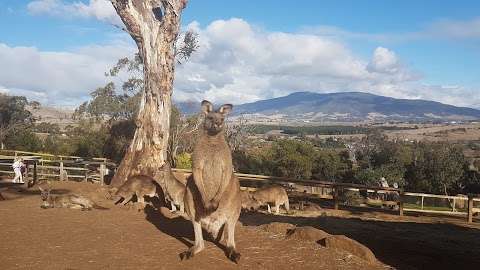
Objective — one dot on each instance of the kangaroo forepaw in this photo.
(233, 255)
(186, 255)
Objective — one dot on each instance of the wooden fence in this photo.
(333, 191)
(46, 166)
(69, 167)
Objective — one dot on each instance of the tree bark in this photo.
(154, 25)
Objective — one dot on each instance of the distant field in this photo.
(325, 130)
(310, 130)
(451, 133)
(408, 132)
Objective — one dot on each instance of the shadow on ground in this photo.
(179, 227)
(403, 245)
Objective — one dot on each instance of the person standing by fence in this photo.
(17, 168)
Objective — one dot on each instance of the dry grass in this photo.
(436, 133)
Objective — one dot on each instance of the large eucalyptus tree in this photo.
(154, 26)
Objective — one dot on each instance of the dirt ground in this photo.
(123, 238)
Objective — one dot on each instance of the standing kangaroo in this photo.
(173, 189)
(138, 185)
(269, 195)
(212, 198)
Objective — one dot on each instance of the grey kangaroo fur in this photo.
(275, 195)
(173, 189)
(73, 201)
(212, 199)
(139, 185)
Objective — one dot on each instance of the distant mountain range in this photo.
(347, 106)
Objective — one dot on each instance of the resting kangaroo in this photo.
(212, 198)
(173, 189)
(139, 185)
(270, 195)
(65, 201)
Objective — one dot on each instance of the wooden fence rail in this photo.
(61, 171)
(336, 189)
(333, 190)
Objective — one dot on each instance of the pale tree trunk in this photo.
(154, 25)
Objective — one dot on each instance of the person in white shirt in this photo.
(17, 168)
(383, 182)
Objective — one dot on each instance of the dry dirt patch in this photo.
(34, 238)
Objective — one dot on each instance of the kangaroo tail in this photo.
(96, 206)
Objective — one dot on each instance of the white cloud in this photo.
(445, 29)
(45, 6)
(61, 78)
(454, 29)
(334, 32)
(384, 61)
(236, 63)
(99, 9)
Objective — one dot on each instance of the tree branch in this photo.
(132, 24)
(123, 29)
(176, 5)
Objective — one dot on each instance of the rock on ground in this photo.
(349, 245)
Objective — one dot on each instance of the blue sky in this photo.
(408, 49)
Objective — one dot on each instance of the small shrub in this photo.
(351, 198)
(184, 161)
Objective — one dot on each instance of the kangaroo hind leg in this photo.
(199, 244)
(174, 208)
(127, 199)
(231, 251)
(140, 201)
(287, 206)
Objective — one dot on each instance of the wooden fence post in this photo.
(61, 172)
(400, 203)
(335, 197)
(86, 172)
(34, 172)
(470, 208)
(102, 173)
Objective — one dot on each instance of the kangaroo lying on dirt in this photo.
(173, 189)
(65, 201)
(139, 185)
(212, 198)
(265, 196)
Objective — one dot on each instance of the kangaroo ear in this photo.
(207, 106)
(225, 109)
